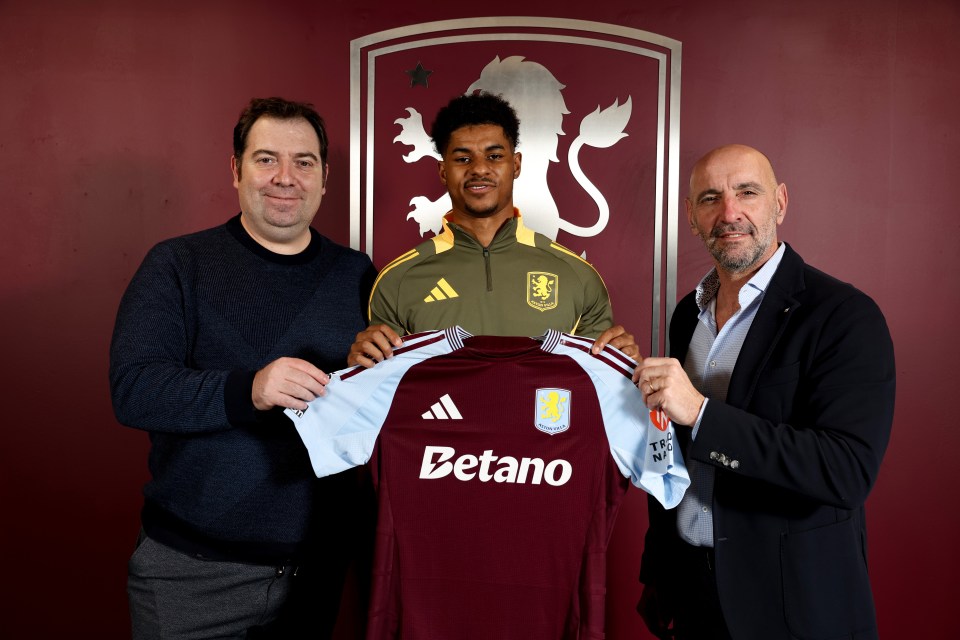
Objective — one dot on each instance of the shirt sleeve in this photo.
(384, 305)
(340, 428)
(597, 313)
(152, 385)
(642, 443)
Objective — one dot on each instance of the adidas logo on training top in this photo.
(443, 410)
(443, 291)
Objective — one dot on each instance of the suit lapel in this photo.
(779, 304)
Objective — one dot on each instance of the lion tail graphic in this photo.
(600, 129)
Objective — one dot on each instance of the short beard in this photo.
(737, 264)
(729, 262)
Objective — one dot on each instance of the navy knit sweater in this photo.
(202, 315)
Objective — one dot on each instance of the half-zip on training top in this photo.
(520, 285)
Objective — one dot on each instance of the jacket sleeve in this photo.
(819, 420)
(153, 386)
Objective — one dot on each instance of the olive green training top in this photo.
(521, 285)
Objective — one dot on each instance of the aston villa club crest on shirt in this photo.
(542, 290)
(552, 411)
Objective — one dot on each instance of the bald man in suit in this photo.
(784, 379)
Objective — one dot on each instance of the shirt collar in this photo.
(710, 284)
(513, 230)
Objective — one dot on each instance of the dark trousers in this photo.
(175, 596)
(695, 602)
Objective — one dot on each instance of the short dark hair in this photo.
(475, 108)
(281, 110)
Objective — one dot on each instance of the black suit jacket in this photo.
(796, 447)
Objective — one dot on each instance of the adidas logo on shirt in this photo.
(443, 410)
(443, 291)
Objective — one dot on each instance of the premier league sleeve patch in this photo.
(552, 411)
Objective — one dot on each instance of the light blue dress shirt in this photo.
(709, 364)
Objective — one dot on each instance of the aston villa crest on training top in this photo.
(598, 107)
(542, 290)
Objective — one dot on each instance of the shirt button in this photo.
(713, 363)
(705, 509)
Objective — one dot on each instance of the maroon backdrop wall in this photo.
(115, 127)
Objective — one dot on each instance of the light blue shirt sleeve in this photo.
(696, 425)
(340, 428)
(643, 447)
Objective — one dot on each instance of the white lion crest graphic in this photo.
(535, 95)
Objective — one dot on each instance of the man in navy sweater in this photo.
(217, 333)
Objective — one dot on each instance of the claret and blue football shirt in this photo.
(500, 464)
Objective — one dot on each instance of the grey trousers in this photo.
(174, 595)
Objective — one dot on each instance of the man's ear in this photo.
(689, 207)
(235, 170)
(782, 200)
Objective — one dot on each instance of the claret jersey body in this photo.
(500, 463)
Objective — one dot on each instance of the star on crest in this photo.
(419, 75)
